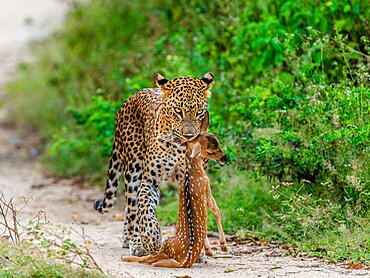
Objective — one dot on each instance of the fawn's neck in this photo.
(192, 211)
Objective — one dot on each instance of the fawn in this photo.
(183, 249)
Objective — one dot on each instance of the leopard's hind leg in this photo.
(125, 239)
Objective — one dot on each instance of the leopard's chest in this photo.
(169, 157)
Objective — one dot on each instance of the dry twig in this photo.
(54, 240)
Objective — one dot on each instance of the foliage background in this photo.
(290, 105)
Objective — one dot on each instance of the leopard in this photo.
(148, 149)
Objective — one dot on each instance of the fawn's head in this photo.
(207, 145)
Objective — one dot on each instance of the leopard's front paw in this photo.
(138, 252)
(99, 205)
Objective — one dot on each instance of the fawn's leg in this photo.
(207, 247)
(131, 258)
(146, 259)
(167, 263)
(211, 202)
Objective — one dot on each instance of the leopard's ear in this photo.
(208, 79)
(160, 80)
(163, 84)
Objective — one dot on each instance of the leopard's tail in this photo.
(113, 177)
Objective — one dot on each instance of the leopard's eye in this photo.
(178, 111)
(200, 112)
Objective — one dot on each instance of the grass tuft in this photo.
(27, 261)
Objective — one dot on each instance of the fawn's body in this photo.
(183, 249)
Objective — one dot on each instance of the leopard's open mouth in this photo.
(182, 138)
(185, 139)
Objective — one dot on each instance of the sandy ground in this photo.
(23, 21)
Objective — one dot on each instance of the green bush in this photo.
(290, 103)
(96, 123)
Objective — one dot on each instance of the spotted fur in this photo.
(146, 147)
(183, 249)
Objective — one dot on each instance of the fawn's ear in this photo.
(205, 123)
(196, 150)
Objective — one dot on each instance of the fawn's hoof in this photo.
(208, 252)
(224, 247)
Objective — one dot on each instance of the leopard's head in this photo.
(184, 103)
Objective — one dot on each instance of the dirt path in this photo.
(66, 203)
